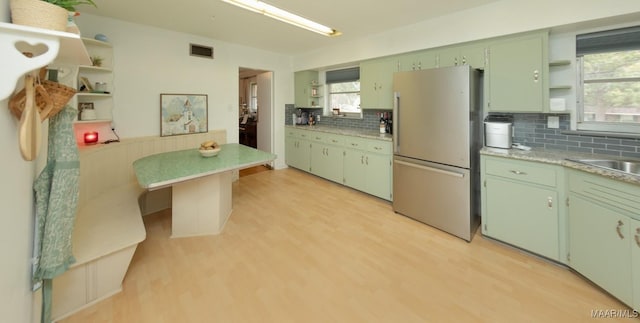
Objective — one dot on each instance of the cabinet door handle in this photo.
(517, 172)
(549, 202)
(536, 76)
(377, 148)
(619, 229)
(638, 237)
(361, 159)
(455, 61)
(354, 144)
(464, 60)
(334, 141)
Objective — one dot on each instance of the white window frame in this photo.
(253, 97)
(342, 75)
(346, 114)
(598, 126)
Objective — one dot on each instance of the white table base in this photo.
(201, 206)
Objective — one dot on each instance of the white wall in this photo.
(150, 61)
(492, 20)
(16, 217)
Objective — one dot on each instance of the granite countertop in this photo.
(560, 157)
(371, 134)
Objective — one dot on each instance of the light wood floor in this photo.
(301, 249)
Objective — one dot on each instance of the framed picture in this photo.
(85, 85)
(182, 114)
(85, 106)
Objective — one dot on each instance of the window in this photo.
(343, 87)
(253, 100)
(609, 80)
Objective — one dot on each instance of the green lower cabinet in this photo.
(523, 215)
(600, 248)
(635, 257)
(521, 205)
(327, 161)
(368, 172)
(298, 153)
(361, 163)
(604, 231)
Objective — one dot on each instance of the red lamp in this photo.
(91, 137)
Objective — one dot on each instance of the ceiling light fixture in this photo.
(284, 16)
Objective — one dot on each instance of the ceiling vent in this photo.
(201, 51)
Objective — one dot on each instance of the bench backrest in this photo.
(105, 167)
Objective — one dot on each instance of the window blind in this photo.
(351, 74)
(608, 41)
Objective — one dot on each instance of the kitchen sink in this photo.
(629, 167)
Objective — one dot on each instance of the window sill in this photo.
(354, 116)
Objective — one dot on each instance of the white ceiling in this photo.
(218, 20)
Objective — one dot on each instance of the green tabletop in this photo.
(165, 169)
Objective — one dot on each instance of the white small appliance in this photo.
(498, 131)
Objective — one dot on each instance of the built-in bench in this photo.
(109, 224)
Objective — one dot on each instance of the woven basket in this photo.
(51, 97)
(38, 13)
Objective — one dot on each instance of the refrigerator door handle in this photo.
(396, 116)
(430, 169)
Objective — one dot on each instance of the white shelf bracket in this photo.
(14, 64)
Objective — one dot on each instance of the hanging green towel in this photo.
(56, 194)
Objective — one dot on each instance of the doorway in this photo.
(255, 111)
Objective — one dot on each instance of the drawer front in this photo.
(380, 146)
(614, 193)
(298, 133)
(355, 142)
(531, 172)
(293, 133)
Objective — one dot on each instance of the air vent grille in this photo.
(201, 51)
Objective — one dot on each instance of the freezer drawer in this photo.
(435, 194)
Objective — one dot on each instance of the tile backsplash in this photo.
(369, 121)
(531, 129)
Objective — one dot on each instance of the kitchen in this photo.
(140, 79)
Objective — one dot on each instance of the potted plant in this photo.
(48, 14)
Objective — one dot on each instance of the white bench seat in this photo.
(109, 224)
(107, 231)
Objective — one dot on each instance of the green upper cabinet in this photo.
(517, 74)
(304, 83)
(472, 55)
(376, 83)
(417, 61)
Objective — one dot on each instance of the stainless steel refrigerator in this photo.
(436, 139)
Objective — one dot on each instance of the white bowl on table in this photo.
(209, 152)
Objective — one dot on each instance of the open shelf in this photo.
(46, 45)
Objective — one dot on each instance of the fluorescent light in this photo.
(284, 16)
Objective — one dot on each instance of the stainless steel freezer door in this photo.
(434, 194)
(432, 114)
